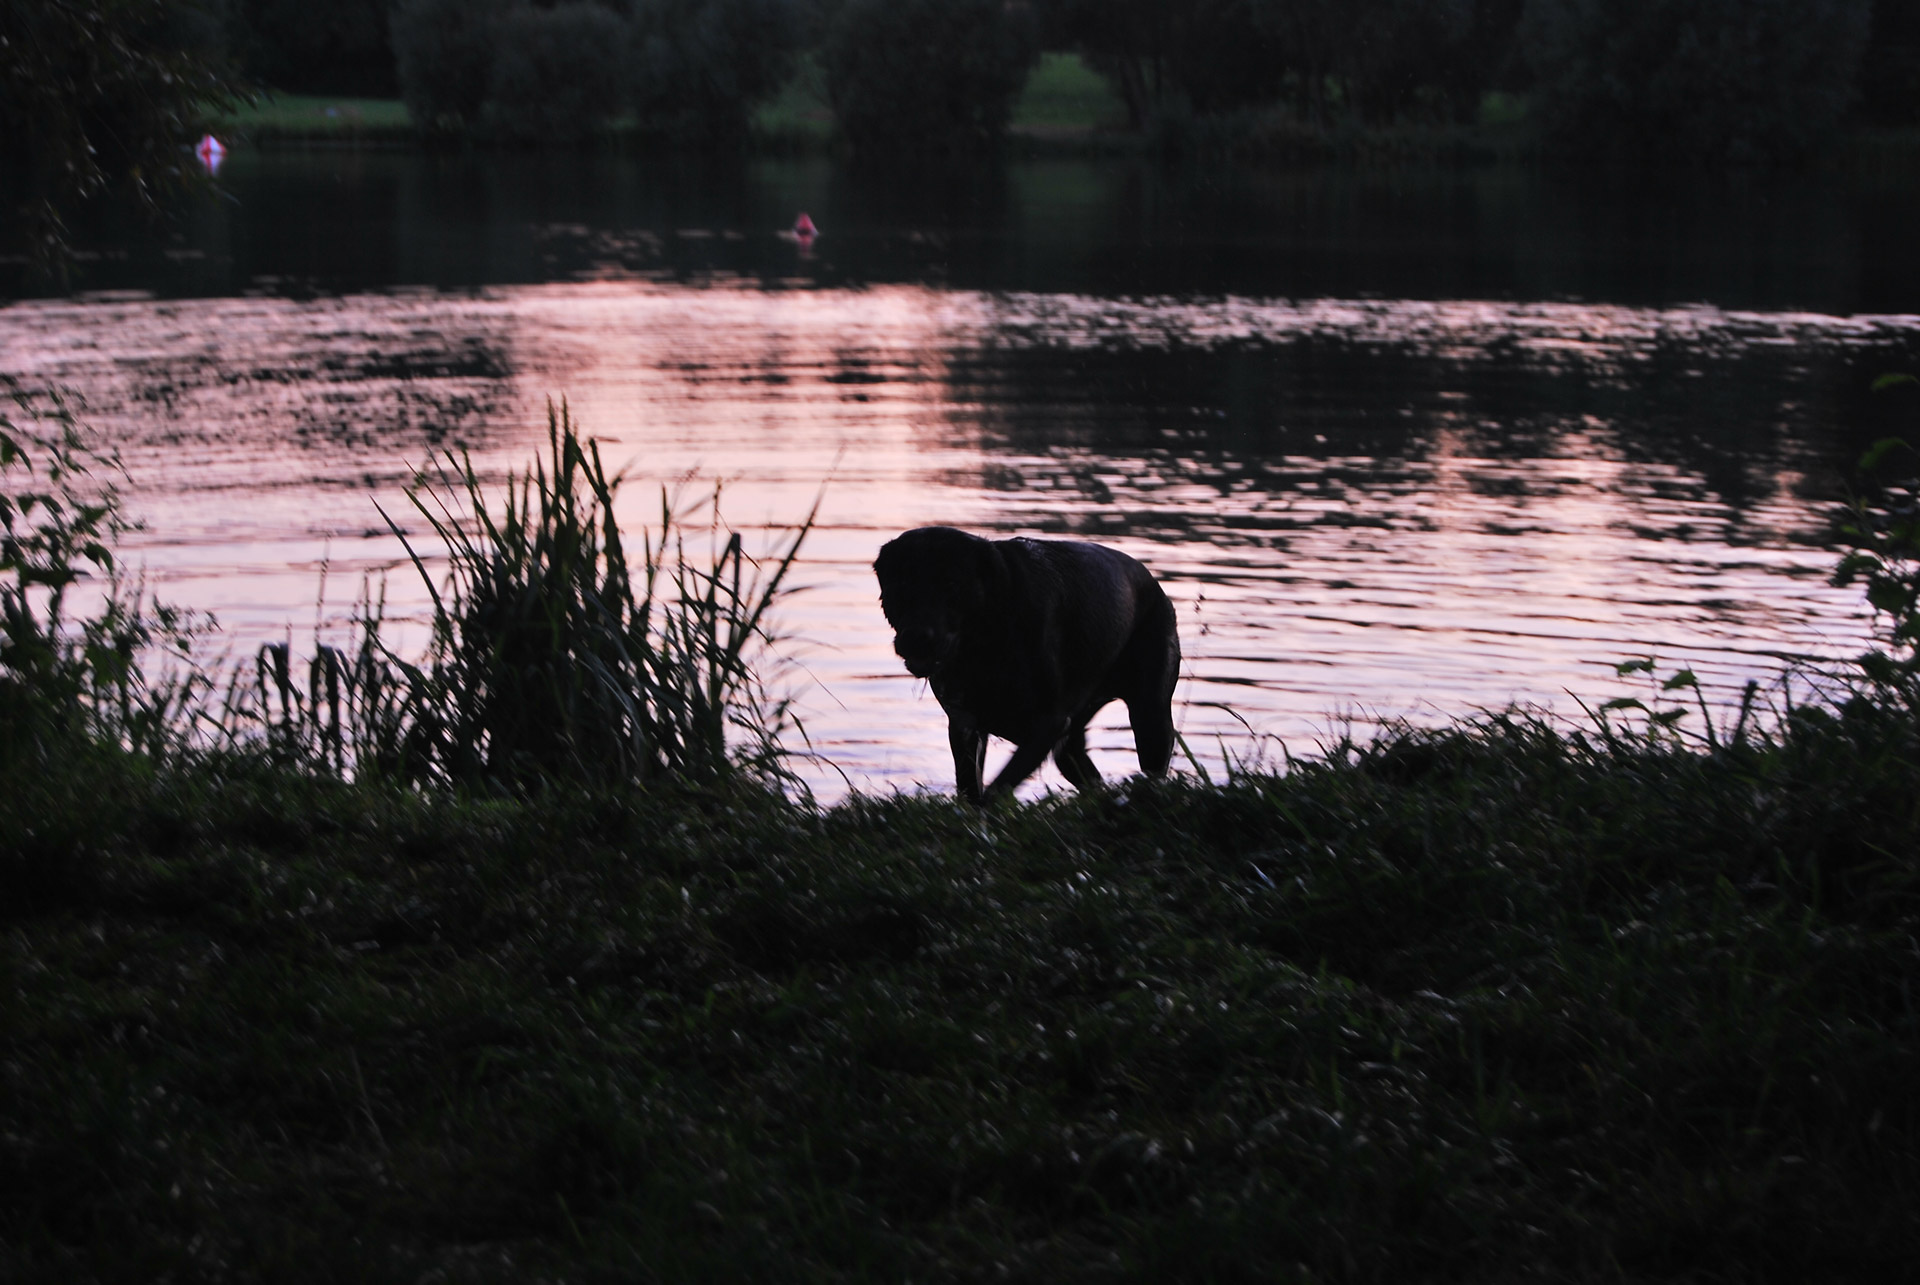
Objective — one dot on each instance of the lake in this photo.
(1401, 443)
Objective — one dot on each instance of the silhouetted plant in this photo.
(550, 662)
(1723, 80)
(907, 76)
(1882, 530)
(94, 676)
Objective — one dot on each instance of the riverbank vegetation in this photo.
(1632, 1000)
(107, 96)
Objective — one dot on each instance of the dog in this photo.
(1027, 640)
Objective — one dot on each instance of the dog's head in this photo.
(934, 583)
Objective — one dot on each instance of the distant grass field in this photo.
(799, 114)
(284, 114)
(1063, 93)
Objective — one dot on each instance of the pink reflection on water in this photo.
(259, 433)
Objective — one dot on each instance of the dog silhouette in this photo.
(1027, 640)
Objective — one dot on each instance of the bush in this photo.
(1742, 81)
(443, 51)
(926, 75)
(556, 72)
(303, 47)
(700, 67)
(68, 678)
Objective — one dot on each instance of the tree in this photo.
(1739, 81)
(1372, 60)
(556, 72)
(926, 75)
(309, 47)
(700, 67)
(100, 98)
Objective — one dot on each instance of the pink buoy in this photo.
(210, 153)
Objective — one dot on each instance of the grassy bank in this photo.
(512, 962)
(1484, 1004)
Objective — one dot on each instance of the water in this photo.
(1398, 445)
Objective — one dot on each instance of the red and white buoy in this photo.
(210, 152)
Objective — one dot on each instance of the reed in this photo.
(552, 659)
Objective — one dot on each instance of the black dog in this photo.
(1027, 640)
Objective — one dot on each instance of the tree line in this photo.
(1736, 79)
(98, 92)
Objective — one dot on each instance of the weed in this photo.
(550, 662)
(96, 677)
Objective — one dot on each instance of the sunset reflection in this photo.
(1368, 508)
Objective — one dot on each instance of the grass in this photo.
(1495, 1002)
(1483, 1004)
(1063, 93)
(299, 116)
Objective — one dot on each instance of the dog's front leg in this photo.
(969, 745)
(1025, 759)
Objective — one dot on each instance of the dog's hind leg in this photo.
(1154, 665)
(1152, 721)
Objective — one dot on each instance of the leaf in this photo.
(1852, 567)
(1684, 678)
(1893, 379)
(1621, 702)
(1880, 450)
(1667, 718)
(1887, 595)
(1626, 667)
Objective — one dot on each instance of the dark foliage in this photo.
(1373, 60)
(556, 72)
(316, 46)
(1890, 69)
(98, 97)
(919, 76)
(1736, 81)
(1881, 529)
(700, 67)
(443, 52)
